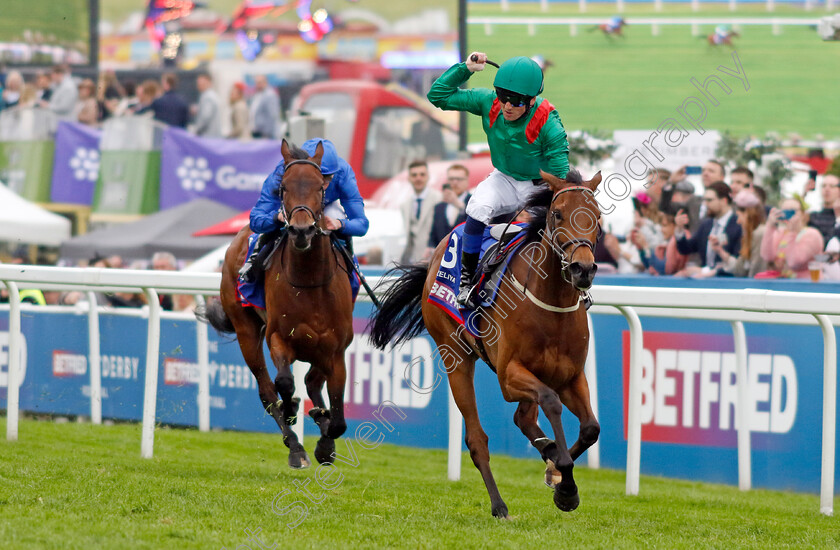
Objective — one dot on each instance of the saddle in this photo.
(498, 252)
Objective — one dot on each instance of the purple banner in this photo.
(228, 171)
(76, 163)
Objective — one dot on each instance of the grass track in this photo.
(78, 486)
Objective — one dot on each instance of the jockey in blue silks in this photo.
(344, 209)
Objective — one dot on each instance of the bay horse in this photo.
(308, 310)
(715, 39)
(536, 338)
(613, 28)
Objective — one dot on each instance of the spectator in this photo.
(62, 101)
(149, 91)
(265, 109)
(13, 90)
(164, 261)
(741, 178)
(655, 187)
(42, 84)
(683, 198)
(86, 110)
(824, 220)
(788, 244)
(128, 101)
(720, 227)
(240, 124)
(750, 215)
(607, 250)
(29, 96)
(451, 211)
(418, 211)
(170, 108)
(109, 93)
(208, 119)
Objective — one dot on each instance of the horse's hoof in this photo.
(500, 511)
(324, 450)
(299, 460)
(553, 477)
(566, 501)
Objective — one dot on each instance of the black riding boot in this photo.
(469, 263)
(246, 272)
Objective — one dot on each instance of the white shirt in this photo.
(718, 228)
(452, 211)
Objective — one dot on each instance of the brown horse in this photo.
(715, 40)
(308, 315)
(610, 29)
(535, 334)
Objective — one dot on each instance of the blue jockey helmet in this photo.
(329, 162)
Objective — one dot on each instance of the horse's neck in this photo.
(312, 266)
(545, 278)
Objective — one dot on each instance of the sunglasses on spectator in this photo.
(516, 100)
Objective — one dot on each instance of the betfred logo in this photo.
(66, 363)
(689, 392)
(177, 372)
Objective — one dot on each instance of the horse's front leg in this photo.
(576, 397)
(336, 378)
(525, 418)
(325, 448)
(286, 416)
(520, 384)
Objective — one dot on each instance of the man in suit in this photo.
(62, 100)
(265, 109)
(451, 211)
(170, 108)
(719, 226)
(208, 117)
(418, 211)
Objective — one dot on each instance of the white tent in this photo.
(24, 222)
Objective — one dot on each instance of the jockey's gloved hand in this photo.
(478, 64)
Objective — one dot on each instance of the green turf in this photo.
(78, 486)
(62, 22)
(636, 83)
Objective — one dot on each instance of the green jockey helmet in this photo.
(521, 75)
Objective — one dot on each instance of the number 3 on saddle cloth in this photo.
(253, 294)
(492, 267)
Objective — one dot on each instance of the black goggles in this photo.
(516, 100)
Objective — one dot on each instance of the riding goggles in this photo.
(516, 100)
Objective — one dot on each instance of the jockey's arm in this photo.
(356, 224)
(264, 213)
(446, 94)
(555, 146)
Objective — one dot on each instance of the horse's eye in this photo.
(558, 216)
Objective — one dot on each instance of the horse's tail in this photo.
(214, 314)
(400, 318)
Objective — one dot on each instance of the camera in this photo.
(446, 187)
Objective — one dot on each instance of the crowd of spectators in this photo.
(729, 231)
(253, 113)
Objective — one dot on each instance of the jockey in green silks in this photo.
(524, 133)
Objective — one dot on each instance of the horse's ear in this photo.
(595, 181)
(319, 153)
(286, 152)
(554, 182)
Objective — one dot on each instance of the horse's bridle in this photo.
(560, 248)
(282, 191)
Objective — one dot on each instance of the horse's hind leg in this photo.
(576, 397)
(285, 410)
(463, 390)
(520, 384)
(320, 414)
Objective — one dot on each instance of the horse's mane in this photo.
(537, 207)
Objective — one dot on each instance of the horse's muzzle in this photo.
(582, 274)
(301, 236)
